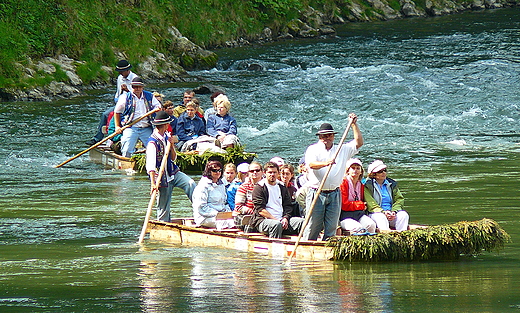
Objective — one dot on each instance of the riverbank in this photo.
(61, 67)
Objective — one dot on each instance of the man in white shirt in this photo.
(130, 107)
(124, 85)
(272, 213)
(318, 157)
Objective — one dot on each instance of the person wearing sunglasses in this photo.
(244, 196)
(384, 199)
(209, 197)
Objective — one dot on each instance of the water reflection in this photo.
(220, 280)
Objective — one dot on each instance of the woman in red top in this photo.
(353, 215)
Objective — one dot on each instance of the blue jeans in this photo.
(163, 203)
(102, 122)
(325, 215)
(180, 180)
(130, 137)
(184, 182)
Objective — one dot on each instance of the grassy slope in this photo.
(94, 31)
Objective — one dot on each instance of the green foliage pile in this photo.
(195, 163)
(443, 242)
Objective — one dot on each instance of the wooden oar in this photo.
(109, 137)
(154, 192)
(313, 204)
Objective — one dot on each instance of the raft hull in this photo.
(109, 159)
(179, 233)
(419, 243)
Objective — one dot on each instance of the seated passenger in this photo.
(287, 177)
(384, 200)
(209, 197)
(159, 96)
(213, 109)
(189, 126)
(272, 202)
(230, 172)
(244, 196)
(168, 108)
(242, 170)
(222, 126)
(353, 208)
(189, 95)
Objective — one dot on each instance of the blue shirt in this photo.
(386, 201)
(226, 124)
(189, 128)
(231, 193)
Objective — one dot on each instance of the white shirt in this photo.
(140, 108)
(318, 153)
(122, 80)
(151, 153)
(274, 203)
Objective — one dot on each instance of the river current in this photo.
(437, 100)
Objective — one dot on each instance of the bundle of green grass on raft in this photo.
(194, 161)
(442, 242)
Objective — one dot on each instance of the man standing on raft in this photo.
(319, 156)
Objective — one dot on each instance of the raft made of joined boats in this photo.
(420, 243)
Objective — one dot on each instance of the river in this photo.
(437, 100)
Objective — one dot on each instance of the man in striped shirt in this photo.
(244, 197)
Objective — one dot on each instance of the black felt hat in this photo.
(123, 65)
(325, 129)
(137, 81)
(161, 118)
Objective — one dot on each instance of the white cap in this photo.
(278, 160)
(376, 166)
(243, 167)
(354, 161)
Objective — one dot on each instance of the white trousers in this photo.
(400, 222)
(364, 222)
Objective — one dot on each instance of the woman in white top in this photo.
(209, 197)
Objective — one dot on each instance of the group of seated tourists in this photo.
(265, 198)
(191, 128)
(215, 131)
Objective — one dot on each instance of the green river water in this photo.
(437, 100)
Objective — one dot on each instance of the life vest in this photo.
(171, 168)
(347, 205)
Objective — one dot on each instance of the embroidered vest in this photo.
(128, 113)
(171, 168)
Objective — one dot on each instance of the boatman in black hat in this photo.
(124, 85)
(124, 80)
(172, 177)
(318, 157)
(132, 106)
